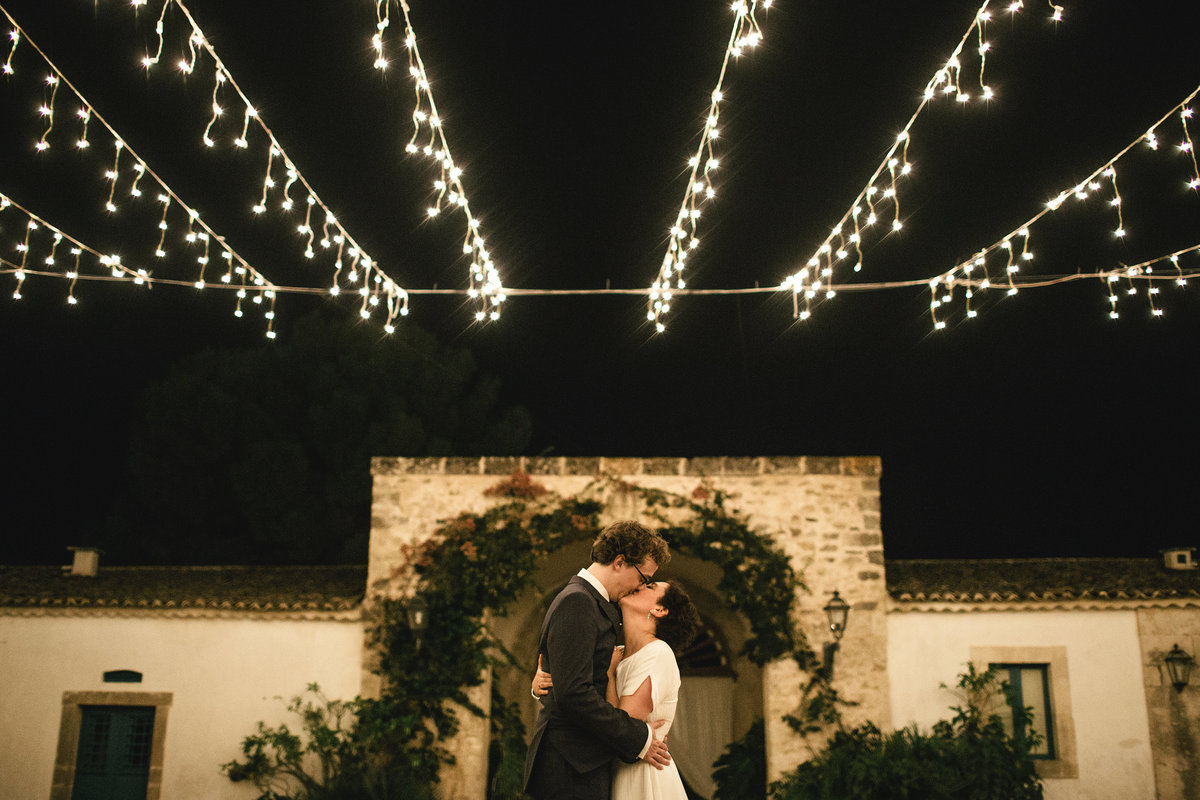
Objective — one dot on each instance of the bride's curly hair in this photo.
(682, 621)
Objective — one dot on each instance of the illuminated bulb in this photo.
(1120, 232)
(897, 225)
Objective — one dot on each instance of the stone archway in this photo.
(822, 512)
(730, 693)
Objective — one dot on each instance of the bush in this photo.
(741, 771)
(336, 756)
(969, 757)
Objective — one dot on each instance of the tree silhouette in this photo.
(262, 455)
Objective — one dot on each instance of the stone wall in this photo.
(1174, 716)
(822, 511)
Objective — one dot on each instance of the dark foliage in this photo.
(741, 771)
(336, 756)
(969, 757)
(263, 455)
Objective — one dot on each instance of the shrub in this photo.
(968, 757)
(336, 756)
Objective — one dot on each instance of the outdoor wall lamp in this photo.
(1179, 667)
(417, 611)
(837, 611)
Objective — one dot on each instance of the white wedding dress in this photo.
(641, 781)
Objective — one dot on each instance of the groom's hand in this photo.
(657, 756)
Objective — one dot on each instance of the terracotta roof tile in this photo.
(1037, 580)
(338, 588)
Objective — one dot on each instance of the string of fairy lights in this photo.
(429, 140)
(43, 249)
(815, 279)
(362, 275)
(1014, 247)
(239, 274)
(45, 238)
(682, 238)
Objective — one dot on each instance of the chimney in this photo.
(1179, 558)
(86, 562)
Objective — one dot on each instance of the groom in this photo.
(578, 734)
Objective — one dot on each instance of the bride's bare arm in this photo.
(640, 703)
(610, 693)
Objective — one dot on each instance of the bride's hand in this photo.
(618, 654)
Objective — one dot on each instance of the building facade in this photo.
(186, 661)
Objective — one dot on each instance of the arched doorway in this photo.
(721, 695)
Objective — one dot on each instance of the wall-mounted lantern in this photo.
(417, 611)
(1179, 667)
(837, 611)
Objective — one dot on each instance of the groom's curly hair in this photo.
(679, 627)
(633, 540)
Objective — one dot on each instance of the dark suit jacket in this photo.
(576, 645)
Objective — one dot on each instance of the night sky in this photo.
(1041, 427)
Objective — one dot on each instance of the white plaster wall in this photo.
(224, 674)
(1104, 665)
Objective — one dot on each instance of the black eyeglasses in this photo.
(645, 581)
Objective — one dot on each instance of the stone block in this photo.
(783, 465)
(823, 465)
(875, 557)
(501, 466)
(544, 466)
(743, 466)
(662, 466)
(707, 466)
(866, 575)
(464, 466)
(621, 466)
(862, 465)
(869, 502)
(581, 466)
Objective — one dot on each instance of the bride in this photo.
(658, 620)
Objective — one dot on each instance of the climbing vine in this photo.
(478, 563)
